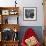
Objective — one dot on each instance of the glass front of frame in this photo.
(30, 13)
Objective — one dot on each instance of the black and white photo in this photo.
(29, 13)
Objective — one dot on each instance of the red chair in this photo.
(29, 33)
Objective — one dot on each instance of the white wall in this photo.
(32, 3)
(26, 3)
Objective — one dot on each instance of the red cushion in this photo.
(29, 33)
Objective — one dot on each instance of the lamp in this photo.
(15, 3)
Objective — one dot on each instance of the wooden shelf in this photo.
(10, 9)
(9, 43)
(11, 26)
(4, 12)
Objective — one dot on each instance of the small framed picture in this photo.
(5, 12)
(30, 13)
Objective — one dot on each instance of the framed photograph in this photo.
(12, 12)
(30, 13)
(5, 12)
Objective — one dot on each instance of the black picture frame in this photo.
(30, 13)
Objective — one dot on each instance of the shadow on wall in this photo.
(37, 29)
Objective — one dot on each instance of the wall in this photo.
(27, 3)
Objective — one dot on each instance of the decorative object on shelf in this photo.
(15, 3)
(6, 21)
(13, 12)
(15, 34)
(5, 12)
(30, 13)
(7, 34)
(15, 30)
(15, 37)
